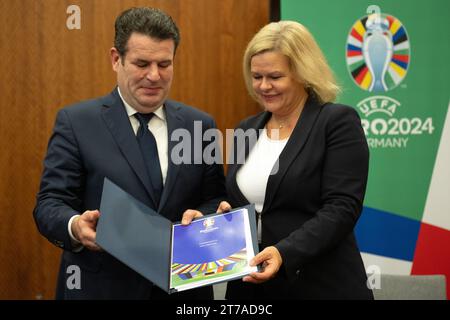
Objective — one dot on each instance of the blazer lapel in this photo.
(116, 118)
(293, 147)
(233, 169)
(174, 121)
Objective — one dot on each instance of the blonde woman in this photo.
(306, 173)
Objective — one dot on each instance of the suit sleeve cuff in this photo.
(290, 270)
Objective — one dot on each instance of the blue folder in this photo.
(140, 237)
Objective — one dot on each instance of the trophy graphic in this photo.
(377, 50)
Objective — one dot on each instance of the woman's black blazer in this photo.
(311, 206)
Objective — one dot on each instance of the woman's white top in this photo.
(261, 162)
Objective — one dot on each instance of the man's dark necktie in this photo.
(149, 150)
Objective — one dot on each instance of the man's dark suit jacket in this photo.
(93, 140)
(311, 207)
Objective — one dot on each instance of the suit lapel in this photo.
(293, 147)
(116, 118)
(258, 124)
(174, 121)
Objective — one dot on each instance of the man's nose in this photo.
(153, 73)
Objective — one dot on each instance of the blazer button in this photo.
(58, 243)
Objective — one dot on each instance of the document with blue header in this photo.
(212, 249)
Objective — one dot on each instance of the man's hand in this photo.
(223, 207)
(84, 229)
(190, 215)
(271, 261)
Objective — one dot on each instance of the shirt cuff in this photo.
(77, 246)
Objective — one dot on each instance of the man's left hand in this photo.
(190, 215)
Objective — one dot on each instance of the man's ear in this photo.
(115, 58)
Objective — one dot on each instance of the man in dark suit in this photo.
(104, 137)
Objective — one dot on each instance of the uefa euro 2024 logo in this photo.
(208, 223)
(378, 52)
(378, 57)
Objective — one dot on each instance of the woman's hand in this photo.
(223, 207)
(271, 262)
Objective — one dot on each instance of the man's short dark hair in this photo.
(151, 22)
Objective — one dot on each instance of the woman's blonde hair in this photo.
(307, 61)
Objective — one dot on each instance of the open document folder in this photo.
(212, 249)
